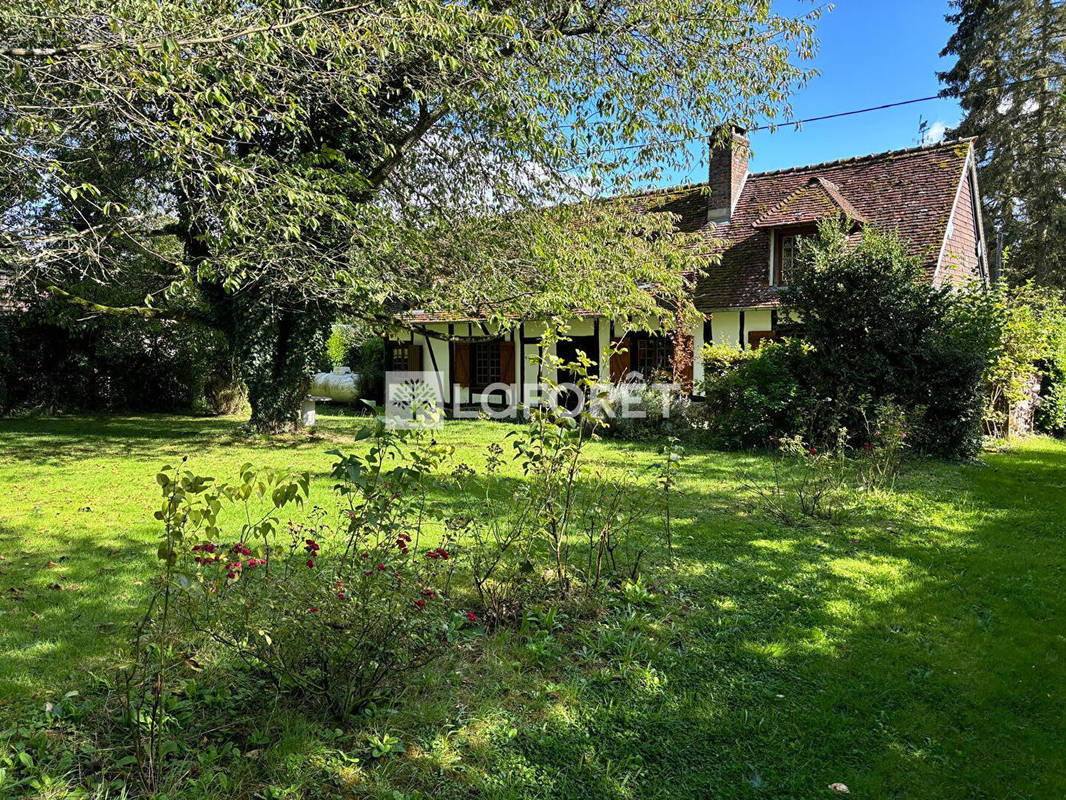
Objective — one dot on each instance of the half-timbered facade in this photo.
(928, 195)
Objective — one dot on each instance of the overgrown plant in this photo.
(189, 513)
(808, 481)
(879, 458)
(333, 609)
(565, 530)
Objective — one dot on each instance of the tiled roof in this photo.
(816, 200)
(910, 191)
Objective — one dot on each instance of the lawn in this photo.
(913, 648)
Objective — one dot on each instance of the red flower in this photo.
(342, 596)
(340, 583)
(381, 566)
(312, 610)
(231, 575)
(813, 452)
(368, 572)
(420, 603)
(351, 515)
(365, 555)
(310, 564)
(311, 546)
(470, 615)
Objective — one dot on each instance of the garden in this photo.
(834, 569)
(822, 575)
(903, 647)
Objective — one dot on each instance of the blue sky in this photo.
(871, 52)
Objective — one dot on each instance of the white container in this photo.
(341, 385)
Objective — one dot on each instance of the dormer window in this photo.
(798, 215)
(785, 252)
(788, 257)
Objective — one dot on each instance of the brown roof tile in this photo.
(816, 200)
(908, 191)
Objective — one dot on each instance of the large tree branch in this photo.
(426, 120)
(133, 312)
(152, 46)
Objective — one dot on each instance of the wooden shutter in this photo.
(507, 362)
(757, 338)
(414, 357)
(620, 360)
(461, 363)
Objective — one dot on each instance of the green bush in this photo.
(878, 329)
(754, 396)
(342, 347)
(370, 364)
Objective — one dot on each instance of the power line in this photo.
(798, 122)
(770, 126)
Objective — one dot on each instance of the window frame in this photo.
(490, 353)
(779, 278)
(663, 355)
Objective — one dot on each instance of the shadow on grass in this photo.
(914, 649)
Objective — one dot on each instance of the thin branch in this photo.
(93, 47)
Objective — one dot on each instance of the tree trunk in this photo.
(279, 346)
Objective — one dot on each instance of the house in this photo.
(928, 194)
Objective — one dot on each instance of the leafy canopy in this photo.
(367, 155)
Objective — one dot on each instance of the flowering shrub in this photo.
(879, 457)
(564, 530)
(806, 479)
(334, 608)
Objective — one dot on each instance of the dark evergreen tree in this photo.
(1009, 76)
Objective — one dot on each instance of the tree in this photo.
(880, 331)
(269, 164)
(1009, 77)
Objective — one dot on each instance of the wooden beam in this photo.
(451, 364)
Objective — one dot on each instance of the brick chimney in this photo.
(727, 172)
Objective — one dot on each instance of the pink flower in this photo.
(420, 603)
(368, 572)
(342, 596)
(312, 610)
(340, 583)
(381, 566)
(470, 615)
(231, 575)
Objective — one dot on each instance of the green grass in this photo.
(915, 648)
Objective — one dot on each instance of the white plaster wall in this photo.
(756, 319)
(697, 355)
(725, 328)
